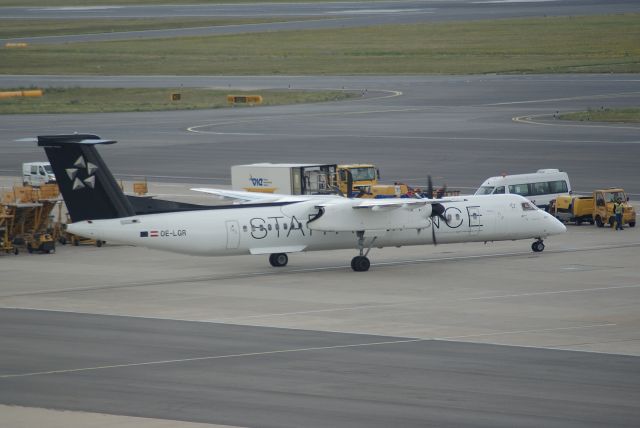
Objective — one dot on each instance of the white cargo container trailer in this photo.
(284, 178)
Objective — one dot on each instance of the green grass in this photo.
(534, 45)
(98, 100)
(15, 28)
(623, 115)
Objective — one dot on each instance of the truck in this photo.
(308, 179)
(37, 173)
(597, 208)
(284, 178)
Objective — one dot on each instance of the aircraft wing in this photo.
(241, 195)
(257, 197)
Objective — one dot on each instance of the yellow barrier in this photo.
(27, 93)
(244, 99)
(15, 45)
(176, 96)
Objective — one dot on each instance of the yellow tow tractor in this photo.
(365, 184)
(41, 242)
(604, 207)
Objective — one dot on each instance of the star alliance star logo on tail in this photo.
(82, 165)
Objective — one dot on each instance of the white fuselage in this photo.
(284, 228)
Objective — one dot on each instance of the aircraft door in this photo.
(233, 234)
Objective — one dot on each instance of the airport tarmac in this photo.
(451, 335)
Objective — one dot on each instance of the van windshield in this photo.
(48, 169)
(485, 190)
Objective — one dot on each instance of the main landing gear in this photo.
(278, 259)
(361, 263)
(538, 246)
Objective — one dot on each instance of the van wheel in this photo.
(612, 221)
(599, 221)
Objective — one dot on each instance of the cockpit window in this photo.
(485, 190)
(499, 190)
(528, 206)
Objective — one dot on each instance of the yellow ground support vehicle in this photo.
(572, 208)
(365, 182)
(604, 205)
(40, 242)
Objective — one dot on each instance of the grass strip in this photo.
(100, 100)
(593, 44)
(15, 28)
(621, 115)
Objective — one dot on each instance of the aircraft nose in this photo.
(556, 226)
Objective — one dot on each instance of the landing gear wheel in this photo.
(278, 259)
(360, 264)
(537, 247)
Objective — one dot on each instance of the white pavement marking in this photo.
(286, 351)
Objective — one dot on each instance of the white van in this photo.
(37, 173)
(540, 187)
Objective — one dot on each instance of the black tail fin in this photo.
(87, 186)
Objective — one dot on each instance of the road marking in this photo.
(544, 293)
(286, 271)
(287, 351)
(212, 357)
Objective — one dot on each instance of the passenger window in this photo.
(559, 186)
(519, 189)
(499, 190)
(269, 227)
(539, 188)
(34, 170)
(285, 226)
(244, 228)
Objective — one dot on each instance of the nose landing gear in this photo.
(538, 246)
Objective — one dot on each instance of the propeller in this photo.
(437, 210)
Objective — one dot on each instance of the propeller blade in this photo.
(349, 184)
(433, 233)
(429, 187)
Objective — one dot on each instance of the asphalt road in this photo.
(331, 15)
(459, 129)
(249, 376)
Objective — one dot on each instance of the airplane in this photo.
(278, 225)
